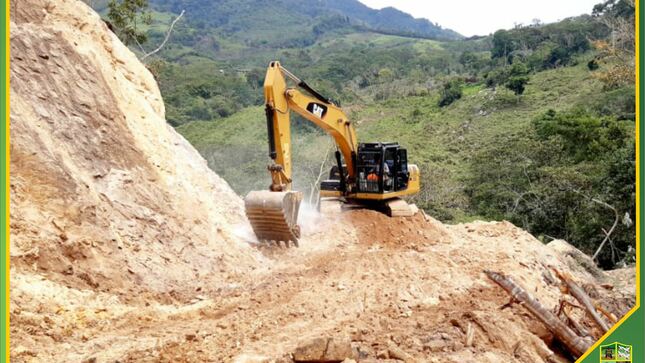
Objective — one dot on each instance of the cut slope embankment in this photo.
(99, 180)
(105, 196)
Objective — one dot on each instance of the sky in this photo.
(482, 17)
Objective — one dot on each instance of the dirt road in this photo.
(420, 294)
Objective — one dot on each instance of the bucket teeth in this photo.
(274, 216)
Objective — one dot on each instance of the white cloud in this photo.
(479, 17)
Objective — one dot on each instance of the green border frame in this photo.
(630, 330)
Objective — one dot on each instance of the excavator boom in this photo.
(273, 214)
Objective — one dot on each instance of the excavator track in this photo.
(274, 216)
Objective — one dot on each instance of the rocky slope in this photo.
(104, 194)
(126, 247)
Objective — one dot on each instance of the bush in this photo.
(620, 102)
(517, 84)
(124, 16)
(517, 78)
(593, 65)
(199, 111)
(497, 76)
(585, 136)
(452, 91)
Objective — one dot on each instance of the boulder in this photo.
(324, 350)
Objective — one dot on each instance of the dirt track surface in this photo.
(420, 295)
(126, 247)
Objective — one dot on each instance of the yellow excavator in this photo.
(375, 174)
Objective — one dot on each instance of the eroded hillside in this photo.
(103, 193)
(126, 247)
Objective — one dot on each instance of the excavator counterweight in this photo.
(375, 174)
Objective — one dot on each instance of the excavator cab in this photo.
(380, 168)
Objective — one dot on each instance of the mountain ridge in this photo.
(390, 19)
(236, 17)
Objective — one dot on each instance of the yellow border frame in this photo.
(583, 357)
(7, 190)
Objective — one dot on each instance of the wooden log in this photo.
(576, 326)
(584, 299)
(575, 344)
(609, 315)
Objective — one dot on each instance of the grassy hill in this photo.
(354, 67)
(442, 141)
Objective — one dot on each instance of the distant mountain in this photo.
(391, 20)
(280, 21)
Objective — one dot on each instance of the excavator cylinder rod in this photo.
(274, 215)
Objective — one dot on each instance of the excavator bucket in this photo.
(274, 215)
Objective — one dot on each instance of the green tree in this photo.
(468, 59)
(517, 84)
(518, 78)
(557, 178)
(616, 53)
(584, 136)
(126, 16)
(503, 44)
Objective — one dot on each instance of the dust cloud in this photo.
(309, 218)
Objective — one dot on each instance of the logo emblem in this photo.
(616, 353)
(317, 109)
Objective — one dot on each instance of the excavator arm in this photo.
(279, 100)
(273, 214)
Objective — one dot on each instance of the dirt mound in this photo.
(105, 196)
(425, 299)
(126, 247)
(377, 228)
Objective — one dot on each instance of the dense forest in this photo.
(534, 124)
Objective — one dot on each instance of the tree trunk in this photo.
(575, 344)
(584, 299)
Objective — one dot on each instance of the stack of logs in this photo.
(577, 336)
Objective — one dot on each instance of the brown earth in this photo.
(126, 247)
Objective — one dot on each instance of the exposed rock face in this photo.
(102, 189)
